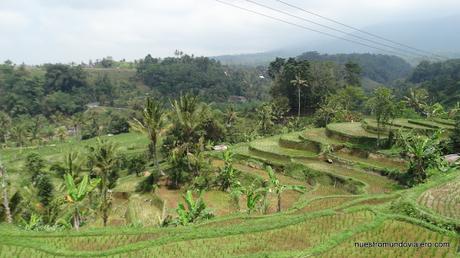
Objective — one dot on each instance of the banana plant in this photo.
(195, 210)
(228, 174)
(278, 188)
(76, 194)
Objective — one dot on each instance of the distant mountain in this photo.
(438, 35)
(252, 59)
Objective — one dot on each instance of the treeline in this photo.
(53, 89)
(380, 68)
(204, 76)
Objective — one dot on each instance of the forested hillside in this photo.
(201, 75)
(380, 68)
(441, 79)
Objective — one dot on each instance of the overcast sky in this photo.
(39, 31)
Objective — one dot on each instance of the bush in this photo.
(34, 164)
(118, 125)
(149, 184)
(136, 164)
(45, 189)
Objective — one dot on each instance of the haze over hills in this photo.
(438, 35)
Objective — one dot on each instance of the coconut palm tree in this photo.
(103, 157)
(73, 164)
(61, 133)
(77, 194)
(186, 114)
(278, 188)
(153, 125)
(299, 83)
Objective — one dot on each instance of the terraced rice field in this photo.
(393, 231)
(325, 203)
(352, 130)
(326, 221)
(270, 147)
(404, 123)
(375, 183)
(444, 199)
(319, 135)
(432, 124)
(377, 163)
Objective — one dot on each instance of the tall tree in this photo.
(152, 125)
(34, 165)
(299, 83)
(383, 106)
(103, 157)
(353, 74)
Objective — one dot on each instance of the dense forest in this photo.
(380, 68)
(441, 79)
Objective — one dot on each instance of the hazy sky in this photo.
(38, 31)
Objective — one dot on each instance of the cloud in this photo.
(37, 31)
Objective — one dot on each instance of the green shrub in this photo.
(149, 184)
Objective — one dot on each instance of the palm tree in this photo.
(187, 116)
(416, 99)
(299, 83)
(76, 195)
(61, 133)
(152, 125)
(6, 202)
(230, 116)
(73, 163)
(20, 134)
(265, 116)
(77, 121)
(104, 160)
(278, 188)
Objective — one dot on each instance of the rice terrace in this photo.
(229, 128)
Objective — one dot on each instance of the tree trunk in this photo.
(6, 200)
(299, 104)
(155, 158)
(279, 202)
(76, 220)
(105, 199)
